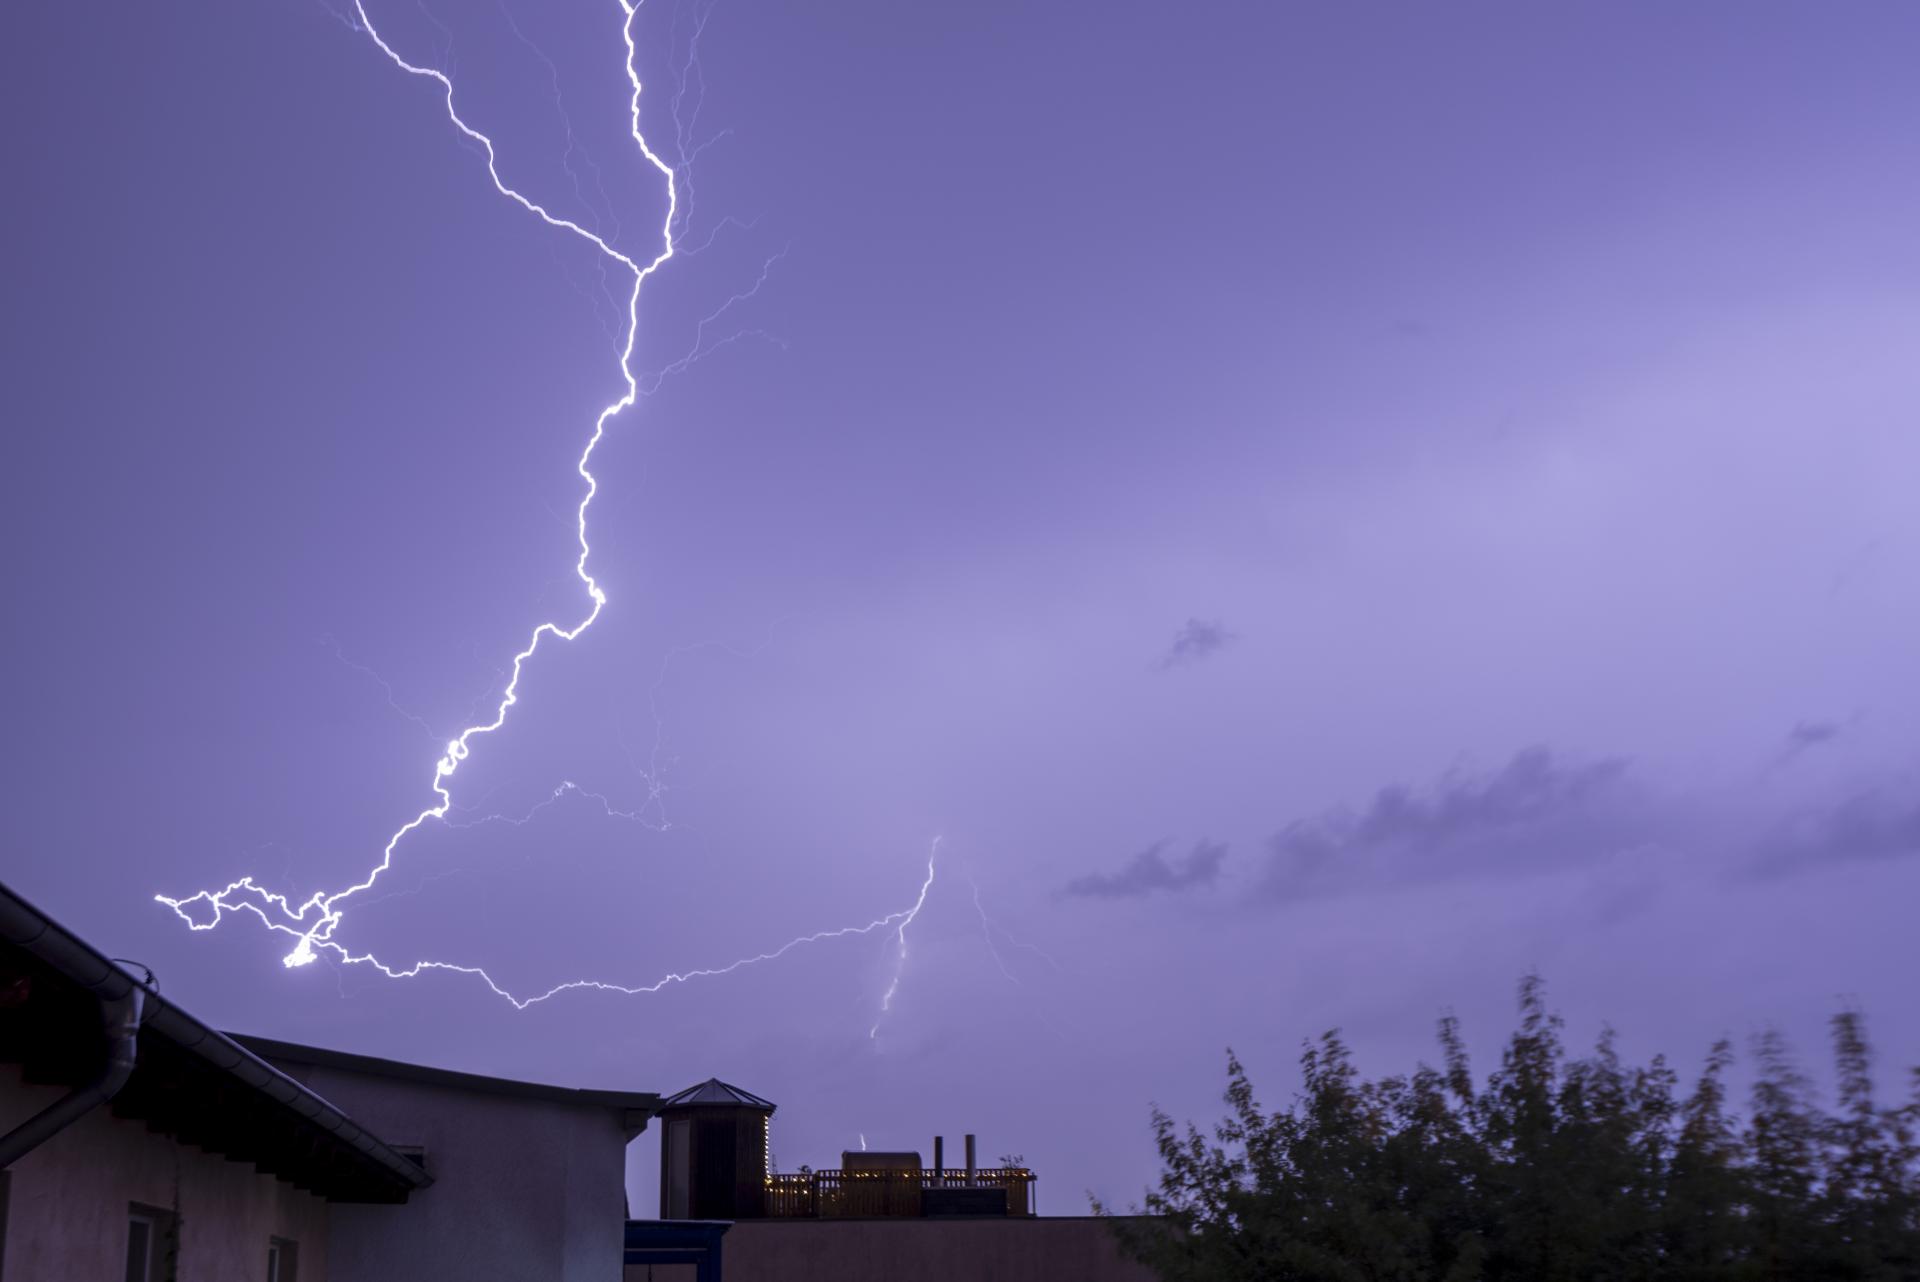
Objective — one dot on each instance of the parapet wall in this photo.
(1057, 1249)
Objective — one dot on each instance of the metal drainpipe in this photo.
(121, 1018)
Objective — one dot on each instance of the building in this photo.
(529, 1180)
(137, 1142)
(877, 1217)
(141, 1143)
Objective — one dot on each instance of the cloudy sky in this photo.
(1317, 509)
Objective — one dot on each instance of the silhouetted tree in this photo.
(1556, 1170)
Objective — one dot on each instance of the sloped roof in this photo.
(190, 1082)
(715, 1091)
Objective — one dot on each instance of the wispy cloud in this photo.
(1879, 823)
(1810, 734)
(1151, 871)
(1805, 734)
(1194, 642)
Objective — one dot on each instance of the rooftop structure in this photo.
(713, 1091)
(714, 1165)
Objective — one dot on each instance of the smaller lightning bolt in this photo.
(702, 346)
(986, 931)
(604, 293)
(566, 124)
(566, 788)
(689, 96)
(386, 688)
(900, 933)
(738, 224)
(989, 930)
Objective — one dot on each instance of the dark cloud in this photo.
(1535, 811)
(1198, 639)
(1804, 737)
(1151, 871)
(1805, 734)
(1876, 824)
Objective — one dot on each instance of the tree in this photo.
(1556, 1170)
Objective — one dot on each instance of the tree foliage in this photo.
(1554, 1169)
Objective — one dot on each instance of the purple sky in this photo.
(1322, 508)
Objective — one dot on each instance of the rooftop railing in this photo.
(903, 1193)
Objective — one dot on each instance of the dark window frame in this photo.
(283, 1260)
(163, 1242)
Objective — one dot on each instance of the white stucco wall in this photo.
(69, 1198)
(523, 1189)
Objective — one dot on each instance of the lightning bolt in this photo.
(325, 908)
(900, 933)
(988, 930)
(313, 923)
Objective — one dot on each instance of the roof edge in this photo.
(27, 927)
(324, 1057)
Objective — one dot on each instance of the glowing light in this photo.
(314, 922)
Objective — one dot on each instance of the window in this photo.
(282, 1256)
(153, 1244)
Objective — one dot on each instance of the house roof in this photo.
(189, 1081)
(713, 1091)
(643, 1103)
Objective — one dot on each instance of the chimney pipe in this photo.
(939, 1158)
(969, 1159)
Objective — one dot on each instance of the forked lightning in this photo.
(313, 923)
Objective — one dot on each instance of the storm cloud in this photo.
(1150, 871)
(1536, 810)
(1874, 824)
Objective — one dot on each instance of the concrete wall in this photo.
(523, 1189)
(1064, 1249)
(67, 1207)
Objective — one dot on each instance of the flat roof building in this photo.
(877, 1217)
(529, 1180)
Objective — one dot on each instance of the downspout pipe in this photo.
(120, 1019)
(26, 927)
